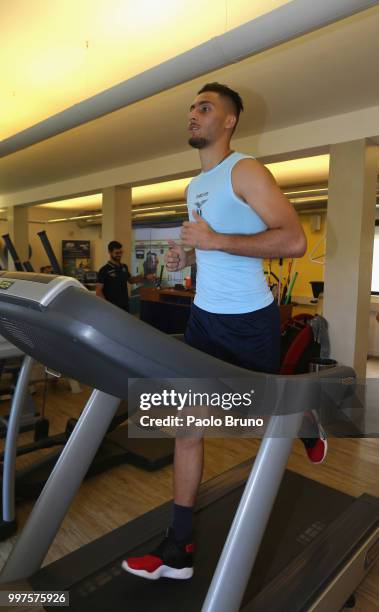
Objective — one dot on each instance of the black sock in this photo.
(309, 442)
(182, 523)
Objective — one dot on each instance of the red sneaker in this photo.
(317, 447)
(168, 560)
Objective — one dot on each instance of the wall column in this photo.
(349, 250)
(117, 220)
(19, 232)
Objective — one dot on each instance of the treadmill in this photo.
(317, 543)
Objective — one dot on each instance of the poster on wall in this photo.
(150, 246)
(76, 257)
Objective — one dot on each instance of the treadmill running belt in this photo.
(302, 511)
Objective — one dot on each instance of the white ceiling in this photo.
(57, 53)
(328, 72)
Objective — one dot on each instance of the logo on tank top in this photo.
(201, 199)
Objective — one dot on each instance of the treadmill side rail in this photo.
(326, 574)
(250, 521)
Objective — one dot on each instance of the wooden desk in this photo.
(167, 296)
(169, 309)
(166, 309)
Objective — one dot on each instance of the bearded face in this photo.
(198, 142)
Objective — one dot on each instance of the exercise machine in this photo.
(26, 265)
(11, 359)
(28, 482)
(49, 252)
(312, 558)
(10, 363)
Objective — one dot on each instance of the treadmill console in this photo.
(35, 287)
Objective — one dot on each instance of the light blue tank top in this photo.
(225, 283)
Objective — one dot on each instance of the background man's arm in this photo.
(135, 279)
(139, 278)
(99, 290)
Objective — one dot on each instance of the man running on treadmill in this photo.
(237, 217)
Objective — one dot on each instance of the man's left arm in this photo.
(135, 279)
(139, 278)
(255, 185)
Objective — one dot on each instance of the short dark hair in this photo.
(225, 92)
(113, 245)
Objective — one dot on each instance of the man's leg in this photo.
(173, 557)
(188, 470)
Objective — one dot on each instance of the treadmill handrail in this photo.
(104, 347)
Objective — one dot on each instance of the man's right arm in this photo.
(177, 258)
(191, 257)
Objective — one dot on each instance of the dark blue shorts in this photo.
(250, 340)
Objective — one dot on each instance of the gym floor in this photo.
(125, 492)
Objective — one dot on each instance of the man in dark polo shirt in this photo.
(113, 278)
